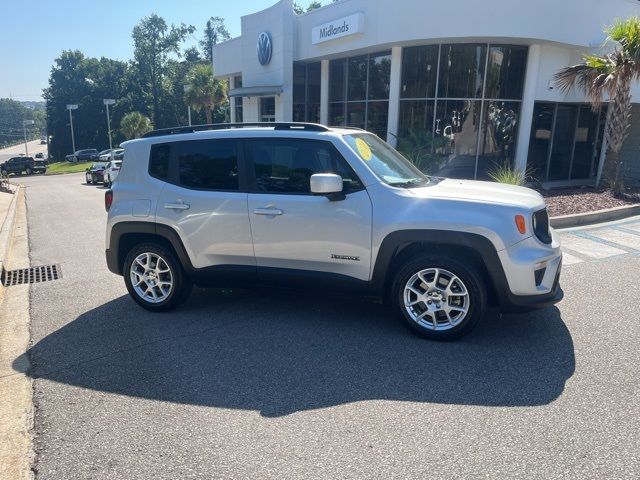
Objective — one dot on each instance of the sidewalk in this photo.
(16, 407)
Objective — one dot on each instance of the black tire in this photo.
(89, 181)
(182, 285)
(4, 173)
(470, 277)
(29, 171)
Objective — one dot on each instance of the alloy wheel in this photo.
(436, 299)
(151, 277)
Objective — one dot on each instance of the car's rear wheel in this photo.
(88, 180)
(154, 278)
(439, 297)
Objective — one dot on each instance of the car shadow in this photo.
(280, 353)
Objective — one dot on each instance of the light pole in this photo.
(73, 140)
(107, 102)
(24, 131)
(186, 89)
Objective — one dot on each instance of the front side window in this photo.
(286, 165)
(387, 164)
(208, 164)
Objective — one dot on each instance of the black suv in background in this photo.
(87, 155)
(23, 164)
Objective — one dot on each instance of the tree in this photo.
(85, 81)
(312, 6)
(153, 43)
(610, 75)
(204, 91)
(134, 125)
(215, 32)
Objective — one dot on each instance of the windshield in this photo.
(388, 165)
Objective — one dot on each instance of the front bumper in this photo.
(532, 270)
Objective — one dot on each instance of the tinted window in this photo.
(462, 71)
(286, 165)
(208, 164)
(419, 71)
(159, 161)
(505, 75)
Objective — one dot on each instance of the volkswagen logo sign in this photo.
(264, 48)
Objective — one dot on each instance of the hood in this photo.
(482, 192)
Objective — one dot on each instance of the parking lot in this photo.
(275, 384)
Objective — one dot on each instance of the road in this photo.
(262, 384)
(17, 150)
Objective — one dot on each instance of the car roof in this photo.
(244, 130)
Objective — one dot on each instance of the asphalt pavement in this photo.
(263, 384)
(34, 147)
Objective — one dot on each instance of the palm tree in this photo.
(134, 125)
(203, 90)
(610, 75)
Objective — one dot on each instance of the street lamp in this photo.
(24, 131)
(73, 140)
(107, 102)
(186, 89)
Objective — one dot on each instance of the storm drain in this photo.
(45, 273)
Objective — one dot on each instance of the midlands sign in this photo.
(342, 27)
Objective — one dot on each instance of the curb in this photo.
(591, 218)
(6, 231)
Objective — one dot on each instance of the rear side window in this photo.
(208, 164)
(159, 161)
(286, 165)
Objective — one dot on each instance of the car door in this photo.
(294, 230)
(205, 201)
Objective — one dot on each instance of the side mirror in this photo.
(328, 184)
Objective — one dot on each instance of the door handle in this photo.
(268, 211)
(177, 206)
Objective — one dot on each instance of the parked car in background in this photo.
(105, 155)
(95, 174)
(18, 165)
(86, 155)
(111, 172)
(40, 155)
(70, 158)
(43, 141)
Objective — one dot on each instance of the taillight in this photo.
(108, 199)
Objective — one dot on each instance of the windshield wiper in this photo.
(414, 182)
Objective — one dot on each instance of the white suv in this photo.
(334, 208)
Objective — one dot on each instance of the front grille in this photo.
(541, 226)
(45, 273)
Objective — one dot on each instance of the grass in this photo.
(509, 175)
(59, 168)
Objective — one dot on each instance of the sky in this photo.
(35, 32)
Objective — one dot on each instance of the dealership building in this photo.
(459, 86)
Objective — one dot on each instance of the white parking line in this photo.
(568, 259)
(589, 248)
(624, 239)
(631, 226)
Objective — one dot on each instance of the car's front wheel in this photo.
(439, 297)
(154, 278)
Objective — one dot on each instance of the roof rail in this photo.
(307, 127)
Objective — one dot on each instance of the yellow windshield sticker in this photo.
(363, 149)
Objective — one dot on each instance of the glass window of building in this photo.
(454, 120)
(359, 92)
(419, 71)
(566, 142)
(505, 72)
(268, 109)
(306, 92)
(462, 71)
(237, 101)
